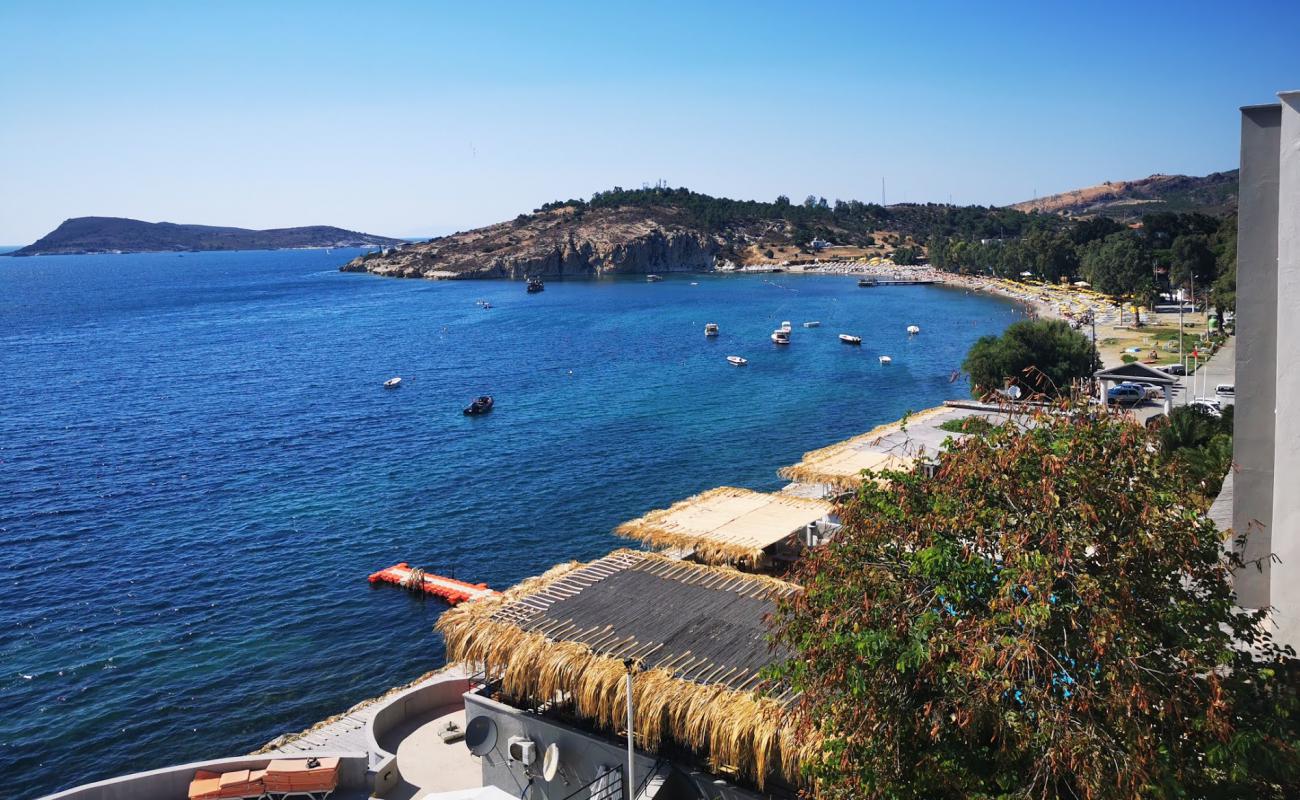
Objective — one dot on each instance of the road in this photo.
(1222, 368)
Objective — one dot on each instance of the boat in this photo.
(781, 336)
(535, 285)
(737, 361)
(785, 326)
(653, 278)
(486, 304)
(695, 283)
(913, 330)
(849, 338)
(813, 324)
(886, 360)
(710, 329)
(865, 282)
(481, 405)
(392, 383)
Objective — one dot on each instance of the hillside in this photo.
(115, 234)
(665, 230)
(1214, 194)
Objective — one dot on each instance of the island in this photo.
(84, 235)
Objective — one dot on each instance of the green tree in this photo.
(1191, 259)
(1044, 619)
(1041, 355)
(1118, 266)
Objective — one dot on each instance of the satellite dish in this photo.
(481, 735)
(551, 762)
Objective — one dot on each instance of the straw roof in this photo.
(697, 632)
(726, 525)
(841, 464)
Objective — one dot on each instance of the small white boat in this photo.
(886, 360)
(695, 283)
(710, 329)
(737, 361)
(781, 336)
(653, 278)
(913, 329)
(392, 383)
(785, 326)
(849, 338)
(813, 324)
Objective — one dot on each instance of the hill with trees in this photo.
(1214, 194)
(82, 235)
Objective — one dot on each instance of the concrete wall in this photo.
(1256, 352)
(1286, 436)
(173, 783)
(417, 702)
(582, 756)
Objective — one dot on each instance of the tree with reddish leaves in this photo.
(1050, 616)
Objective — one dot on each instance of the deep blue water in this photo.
(198, 467)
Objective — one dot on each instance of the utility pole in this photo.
(630, 664)
(882, 192)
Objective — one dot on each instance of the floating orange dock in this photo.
(417, 580)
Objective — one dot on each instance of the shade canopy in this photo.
(1136, 371)
(696, 634)
(886, 447)
(727, 525)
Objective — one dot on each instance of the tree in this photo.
(1043, 619)
(1191, 259)
(1118, 265)
(1055, 353)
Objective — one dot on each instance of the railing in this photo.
(611, 790)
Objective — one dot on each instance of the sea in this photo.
(199, 466)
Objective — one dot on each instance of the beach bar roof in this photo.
(697, 633)
(840, 465)
(727, 525)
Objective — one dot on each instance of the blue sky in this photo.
(420, 118)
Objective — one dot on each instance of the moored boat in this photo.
(653, 278)
(481, 405)
(781, 336)
(710, 329)
(392, 383)
(737, 361)
(813, 324)
(849, 338)
(886, 360)
(912, 330)
(535, 285)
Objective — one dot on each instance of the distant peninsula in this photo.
(84, 235)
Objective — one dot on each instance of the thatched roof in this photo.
(887, 447)
(697, 632)
(727, 525)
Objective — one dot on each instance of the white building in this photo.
(1266, 438)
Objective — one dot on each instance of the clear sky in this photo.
(420, 118)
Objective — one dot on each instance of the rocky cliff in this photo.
(565, 241)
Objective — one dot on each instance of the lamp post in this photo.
(630, 665)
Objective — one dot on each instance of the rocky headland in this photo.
(565, 241)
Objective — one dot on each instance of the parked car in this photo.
(1125, 395)
(1209, 405)
(1226, 391)
(1151, 390)
(1175, 369)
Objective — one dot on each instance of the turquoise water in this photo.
(199, 467)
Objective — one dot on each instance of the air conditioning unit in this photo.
(522, 750)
